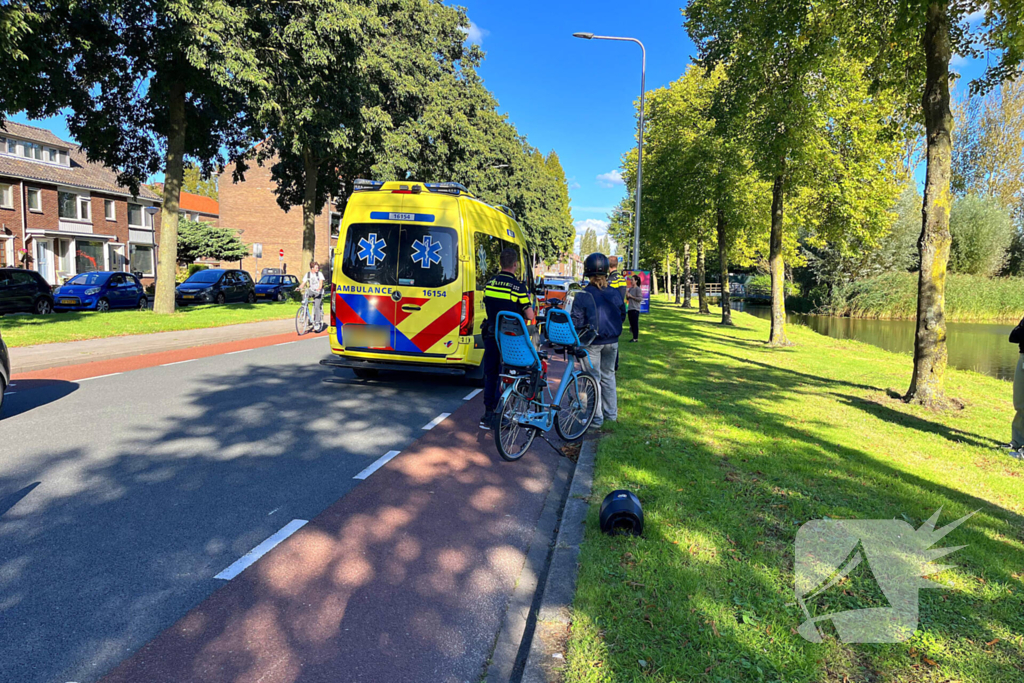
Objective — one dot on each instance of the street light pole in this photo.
(640, 137)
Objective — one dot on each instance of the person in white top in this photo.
(314, 283)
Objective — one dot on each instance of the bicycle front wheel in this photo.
(578, 406)
(302, 320)
(511, 437)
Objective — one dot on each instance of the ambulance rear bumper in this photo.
(352, 363)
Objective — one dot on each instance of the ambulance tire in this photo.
(366, 373)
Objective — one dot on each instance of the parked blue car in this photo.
(100, 291)
(276, 287)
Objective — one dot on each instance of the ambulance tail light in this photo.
(334, 317)
(466, 317)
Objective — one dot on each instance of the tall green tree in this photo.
(802, 104)
(198, 240)
(148, 84)
(196, 182)
(910, 45)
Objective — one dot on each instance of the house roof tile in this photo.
(199, 203)
(81, 174)
(33, 134)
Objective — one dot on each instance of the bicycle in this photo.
(526, 407)
(304, 316)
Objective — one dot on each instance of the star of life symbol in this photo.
(371, 250)
(426, 251)
(897, 557)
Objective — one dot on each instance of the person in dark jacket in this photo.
(602, 306)
(1017, 428)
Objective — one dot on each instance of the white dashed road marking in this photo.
(377, 464)
(113, 374)
(471, 395)
(436, 421)
(167, 365)
(259, 551)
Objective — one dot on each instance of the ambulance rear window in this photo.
(402, 254)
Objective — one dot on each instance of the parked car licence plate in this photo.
(69, 302)
(189, 296)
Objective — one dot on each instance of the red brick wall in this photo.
(48, 219)
(10, 219)
(251, 206)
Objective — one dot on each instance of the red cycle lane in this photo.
(406, 578)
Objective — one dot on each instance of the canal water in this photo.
(981, 347)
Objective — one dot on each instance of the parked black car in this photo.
(276, 287)
(216, 286)
(24, 291)
(5, 370)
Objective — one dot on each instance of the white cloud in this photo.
(610, 179)
(601, 227)
(474, 34)
(977, 15)
(573, 185)
(957, 60)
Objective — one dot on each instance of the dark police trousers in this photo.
(492, 368)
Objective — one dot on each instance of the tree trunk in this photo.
(668, 275)
(174, 174)
(687, 303)
(679, 284)
(777, 267)
(723, 265)
(702, 286)
(927, 384)
(311, 171)
(654, 282)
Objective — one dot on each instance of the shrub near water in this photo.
(969, 298)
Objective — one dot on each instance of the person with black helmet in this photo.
(504, 292)
(602, 306)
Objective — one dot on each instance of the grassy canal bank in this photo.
(731, 446)
(893, 296)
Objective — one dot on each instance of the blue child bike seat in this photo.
(514, 342)
(560, 329)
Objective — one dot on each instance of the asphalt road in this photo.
(122, 497)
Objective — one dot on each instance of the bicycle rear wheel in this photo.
(302, 320)
(578, 406)
(512, 438)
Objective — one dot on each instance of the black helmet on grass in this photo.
(596, 264)
(621, 513)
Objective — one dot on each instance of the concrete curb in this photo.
(555, 612)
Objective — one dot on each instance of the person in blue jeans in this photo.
(601, 306)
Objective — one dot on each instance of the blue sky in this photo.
(575, 96)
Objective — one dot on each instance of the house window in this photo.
(74, 206)
(31, 150)
(108, 210)
(335, 225)
(51, 155)
(89, 256)
(63, 158)
(35, 199)
(6, 196)
(142, 260)
(12, 146)
(135, 215)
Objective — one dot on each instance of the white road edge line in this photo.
(259, 551)
(113, 374)
(287, 343)
(167, 365)
(242, 351)
(436, 421)
(471, 395)
(377, 464)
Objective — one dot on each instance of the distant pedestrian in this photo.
(602, 306)
(1017, 428)
(313, 282)
(619, 284)
(504, 292)
(634, 297)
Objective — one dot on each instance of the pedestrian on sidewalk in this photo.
(1017, 427)
(504, 292)
(634, 297)
(314, 283)
(602, 306)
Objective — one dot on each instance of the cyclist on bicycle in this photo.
(313, 286)
(504, 292)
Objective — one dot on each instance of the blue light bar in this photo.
(363, 185)
(447, 188)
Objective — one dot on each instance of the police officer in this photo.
(504, 292)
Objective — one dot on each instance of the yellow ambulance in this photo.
(409, 272)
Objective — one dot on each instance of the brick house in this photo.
(250, 207)
(61, 214)
(194, 207)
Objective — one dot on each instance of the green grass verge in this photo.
(731, 446)
(969, 298)
(27, 330)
